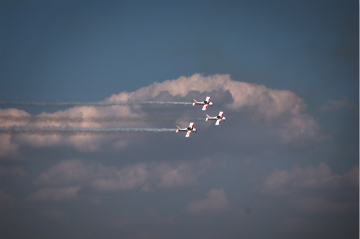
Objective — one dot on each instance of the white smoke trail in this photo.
(98, 104)
(81, 131)
(35, 119)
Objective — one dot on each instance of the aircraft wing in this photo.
(208, 99)
(218, 122)
(205, 107)
(191, 125)
(188, 134)
(221, 113)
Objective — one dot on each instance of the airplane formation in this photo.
(205, 104)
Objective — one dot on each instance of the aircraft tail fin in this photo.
(178, 128)
(207, 118)
(194, 102)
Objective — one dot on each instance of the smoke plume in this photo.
(81, 131)
(109, 119)
(98, 104)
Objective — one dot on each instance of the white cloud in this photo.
(266, 104)
(270, 103)
(216, 200)
(53, 194)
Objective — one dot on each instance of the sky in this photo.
(284, 164)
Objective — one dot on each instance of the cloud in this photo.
(300, 129)
(314, 189)
(337, 104)
(280, 181)
(6, 199)
(259, 102)
(130, 177)
(323, 205)
(141, 175)
(183, 174)
(310, 177)
(150, 215)
(269, 103)
(12, 170)
(351, 178)
(7, 148)
(52, 214)
(53, 194)
(216, 200)
(13, 112)
(65, 173)
(281, 110)
(10, 144)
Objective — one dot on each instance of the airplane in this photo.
(206, 103)
(188, 130)
(218, 118)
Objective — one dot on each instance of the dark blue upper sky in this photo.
(63, 50)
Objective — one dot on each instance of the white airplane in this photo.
(188, 130)
(206, 103)
(218, 118)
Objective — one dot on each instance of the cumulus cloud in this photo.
(269, 105)
(269, 102)
(266, 104)
(53, 194)
(141, 175)
(216, 200)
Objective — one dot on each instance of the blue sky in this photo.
(286, 74)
